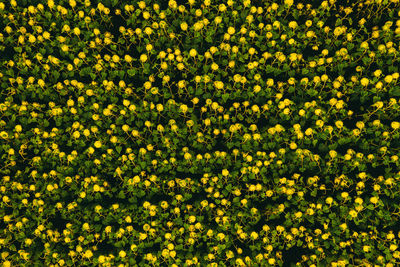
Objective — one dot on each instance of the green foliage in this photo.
(204, 134)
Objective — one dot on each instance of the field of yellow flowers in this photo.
(199, 133)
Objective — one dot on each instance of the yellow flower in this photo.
(115, 58)
(254, 235)
(289, 2)
(214, 66)
(364, 81)
(310, 212)
(353, 213)
(50, 187)
(343, 226)
(106, 112)
(18, 128)
(113, 139)
(332, 153)
(360, 125)
(298, 214)
(198, 26)
(88, 254)
(76, 134)
(172, 4)
(184, 26)
(77, 31)
(390, 236)
(97, 144)
(32, 38)
(41, 83)
(50, 3)
(249, 158)
(6, 199)
(377, 73)
(46, 35)
(184, 108)
(310, 34)
(187, 156)
(148, 31)
(293, 145)
(101, 259)
(231, 30)
(122, 254)
(142, 236)
(325, 236)
(143, 58)
(108, 229)
(181, 84)
(192, 219)
(219, 84)
(86, 226)
(364, 45)
(339, 124)
(96, 188)
(338, 31)
(395, 125)
(374, 200)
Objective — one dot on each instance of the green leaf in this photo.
(131, 72)
(225, 97)
(366, 60)
(312, 92)
(121, 195)
(18, 49)
(269, 69)
(395, 91)
(304, 71)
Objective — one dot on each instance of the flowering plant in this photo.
(199, 133)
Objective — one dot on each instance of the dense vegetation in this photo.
(199, 133)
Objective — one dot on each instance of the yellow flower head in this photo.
(364, 81)
(97, 144)
(143, 58)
